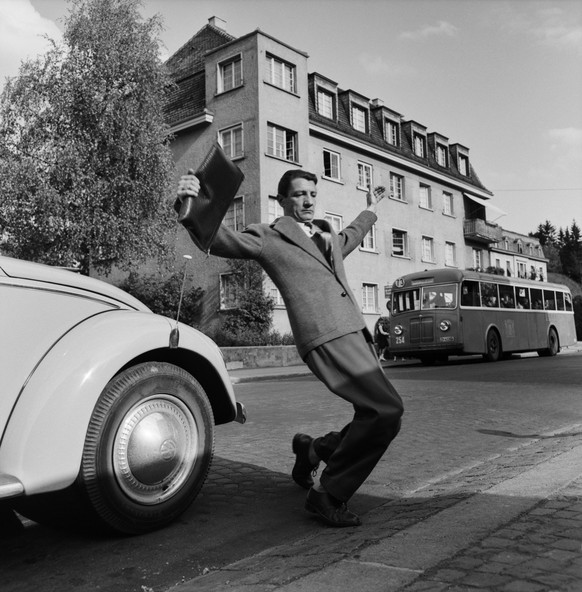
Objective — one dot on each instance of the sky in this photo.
(501, 77)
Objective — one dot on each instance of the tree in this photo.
(571, 252)
(85, 163)
(546, 233)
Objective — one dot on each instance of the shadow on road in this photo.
(241, 510)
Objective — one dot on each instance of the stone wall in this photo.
(269, 356)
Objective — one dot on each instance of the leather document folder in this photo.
(219, 181)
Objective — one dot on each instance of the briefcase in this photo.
(220, 180)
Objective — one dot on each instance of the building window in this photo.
(392, 132)
(463, 165)
(442, 156)
(359, 118)
(276, 296)
(370, 298)
(450, 254)
(369, 242)
(508, 271)
(521, 270)
(275, 209)
(281, 143)
(425, 198)
(235, 215)
(281, 74)
(230, 74)
(448, 209)
(427, 249)
(397, 186)
(477, 260)
(419, 143)
(364, 175)
(229, 291)
(326, 103)
(331, 165)
(399, 243)
(231, 140)
(335, 221)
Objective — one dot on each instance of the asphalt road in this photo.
(456, 415)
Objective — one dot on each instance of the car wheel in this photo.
(553, 344)
(148, 448)
(493, 344)
(147, 453)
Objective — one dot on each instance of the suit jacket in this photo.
(319, 302)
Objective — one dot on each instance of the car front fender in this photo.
(43, 442)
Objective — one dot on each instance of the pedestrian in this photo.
(381, 336)
(304, 258)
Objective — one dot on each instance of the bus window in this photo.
(549, 300)
(470, 293)
(506, 296)
(439, 297)
(405, 301)
(560, 301)
(568, 301)
(536, 299)
(522, 297)
(489, 296)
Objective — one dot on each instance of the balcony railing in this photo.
(482, 231)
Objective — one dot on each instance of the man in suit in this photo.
(304, 258)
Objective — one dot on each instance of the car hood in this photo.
(26, 270)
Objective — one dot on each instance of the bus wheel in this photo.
(493, 346)
(553, 344)
(427, 360)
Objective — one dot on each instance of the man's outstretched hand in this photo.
(373, 197)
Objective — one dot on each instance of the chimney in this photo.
(217, 22)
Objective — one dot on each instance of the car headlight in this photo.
(445, 325)
(398, 330)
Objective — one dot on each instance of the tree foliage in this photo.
(85, 164)
(563, 248)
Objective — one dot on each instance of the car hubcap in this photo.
(155, 448)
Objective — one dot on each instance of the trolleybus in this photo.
(446, 312)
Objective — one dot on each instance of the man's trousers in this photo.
(350, 368)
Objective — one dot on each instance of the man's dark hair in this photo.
(289, 176)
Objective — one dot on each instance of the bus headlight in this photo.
(398, 330)
(445, 325)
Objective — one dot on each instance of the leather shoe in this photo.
(303, 469)
(331, 510)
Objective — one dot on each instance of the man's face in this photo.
(300, 201)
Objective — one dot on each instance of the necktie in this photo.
(322, 239)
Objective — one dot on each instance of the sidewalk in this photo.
(512, 523)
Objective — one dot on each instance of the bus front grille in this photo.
(422, 330)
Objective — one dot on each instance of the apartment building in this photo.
(256, 97)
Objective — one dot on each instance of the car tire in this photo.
(493, 345)
(147, 452)
(148, 448)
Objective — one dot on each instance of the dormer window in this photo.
(442, 155)
(325, 103)
(392, 132)
(359, 118)
(463, 165)
(419, 144)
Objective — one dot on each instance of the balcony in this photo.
(482, 231)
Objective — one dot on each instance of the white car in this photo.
(107, 409)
